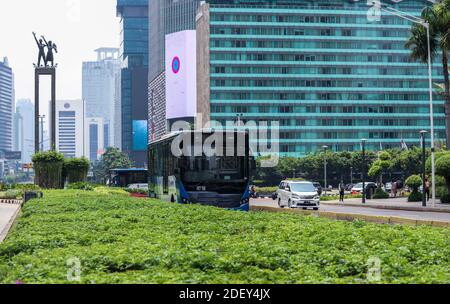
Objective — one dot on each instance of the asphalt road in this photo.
(7, 211)
(414, 215)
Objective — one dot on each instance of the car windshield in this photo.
(358, 185)
(302, 187)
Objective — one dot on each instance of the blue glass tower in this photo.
(135, 58)
(323, 69)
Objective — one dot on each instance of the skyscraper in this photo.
(166, 17)
(25, 109)
(6, 105)
(134, 84)
(101, 95)
(322, 69)
(70, 128)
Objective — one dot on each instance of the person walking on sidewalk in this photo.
(394, 188)
(341, 191)
(427, 188)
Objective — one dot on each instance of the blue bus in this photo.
(211, 168)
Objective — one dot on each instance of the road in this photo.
(7, 211)
(414, 215)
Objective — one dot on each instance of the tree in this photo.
(414, 182)
(380, 166)
(443, 169)
(438, 16)
(48, 168)
(111, 159)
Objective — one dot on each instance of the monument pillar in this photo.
(45, 71)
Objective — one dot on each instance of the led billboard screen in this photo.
(181, 75)
(140, 135)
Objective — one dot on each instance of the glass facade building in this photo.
(327, 73)
(135, 59)
(6, 105)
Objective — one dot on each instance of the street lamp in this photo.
(325, 167)
(426, 25)
(422, 137)
(363, 148)
(351, 175)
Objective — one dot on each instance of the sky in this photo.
(78, 27)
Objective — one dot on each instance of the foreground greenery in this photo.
(119, 239)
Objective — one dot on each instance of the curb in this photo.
(5, 231)
(420, 209)
(352, 217)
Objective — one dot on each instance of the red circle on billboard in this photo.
(176, 65)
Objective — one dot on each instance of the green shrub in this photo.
(441, 192)
(445, 199)
(415, 196)
(26, 187)
(80, 186)
(380, 194)
(414, 182)
(48, 168)
(119, 239)
(76, 169)
(266, 189)
(11, 194)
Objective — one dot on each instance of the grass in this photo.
(119, 239)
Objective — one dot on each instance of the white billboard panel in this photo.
(181, 75)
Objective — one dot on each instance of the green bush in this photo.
(414, 182)
(441, 192)
(415, 196)
(192, 244)
(48, 168)
(380, 194)
(11, 194)
(266, 189)
(80, 186)
(445, 199)
(76, 169)
(26, 187)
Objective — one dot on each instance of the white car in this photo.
(295, 194)
(138, 186)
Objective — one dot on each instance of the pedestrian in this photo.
(394, 188)
(427, 188)
(341, 191)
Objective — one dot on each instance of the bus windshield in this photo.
(215, 168)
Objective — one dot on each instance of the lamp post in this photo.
(351, 175)
(426, 25)
(363, 170)
(325, 167)
(422, 141)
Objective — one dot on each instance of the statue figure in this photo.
(50, 47)
(41, 47)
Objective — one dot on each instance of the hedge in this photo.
(48, 168)
(76, 169)
(119, 239)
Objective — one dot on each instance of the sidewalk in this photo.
(8, 213)
(393, 204)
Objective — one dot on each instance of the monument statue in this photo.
(41, 47)
(50, 47)
(46, 58)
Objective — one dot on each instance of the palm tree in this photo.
(438, 16)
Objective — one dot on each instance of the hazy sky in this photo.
(78, 27)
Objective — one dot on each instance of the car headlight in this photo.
(317, 197)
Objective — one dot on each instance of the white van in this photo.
(295, 194)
